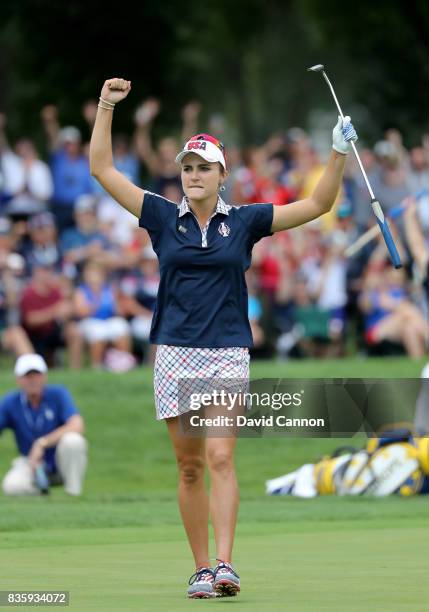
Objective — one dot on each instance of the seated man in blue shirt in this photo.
(48, 431)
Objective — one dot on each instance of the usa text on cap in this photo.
(207, 147)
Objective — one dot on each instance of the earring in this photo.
(222, 188)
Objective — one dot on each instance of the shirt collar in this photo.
(221, 207)
(26, 402)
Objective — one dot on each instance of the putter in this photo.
(376, 207)
(371, 233)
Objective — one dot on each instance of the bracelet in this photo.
(105, 107)
(112, 104)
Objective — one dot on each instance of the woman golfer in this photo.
(200, 324)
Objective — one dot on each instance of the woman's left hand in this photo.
(343, 135)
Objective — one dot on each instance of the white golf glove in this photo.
(342, 135)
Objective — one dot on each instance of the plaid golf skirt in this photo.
(180, 371)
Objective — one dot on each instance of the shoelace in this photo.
(199, 573)
(225, 566)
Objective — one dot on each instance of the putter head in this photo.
(316, 68)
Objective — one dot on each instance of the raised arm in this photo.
(144, 116)
(100, 152)
(323, 197)
(190, 114)
(51, 125)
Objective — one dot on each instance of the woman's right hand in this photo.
(115, 90)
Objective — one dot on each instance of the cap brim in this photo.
(26, 371)
(206, 157)
(26, 364)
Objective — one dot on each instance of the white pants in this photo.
(106, 330)
(71, 459)
(140, 327)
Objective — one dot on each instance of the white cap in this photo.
(85, 203)
(30, 363)
(69, 134)
(205, 146)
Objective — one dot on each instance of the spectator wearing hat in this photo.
(85, 241)
(69, 166)
(12, 336)
(43, 244)
(390, 178)
(46, 315)
(48, 430)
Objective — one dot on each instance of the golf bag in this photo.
(395, 463)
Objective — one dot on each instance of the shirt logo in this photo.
(49, 414)
(224, 229)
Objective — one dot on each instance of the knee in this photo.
(71, 331)
(220, 462)
(191, 470)
(73, 441)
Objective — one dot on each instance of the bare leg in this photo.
(96, 352)
(397, 328)
(123, 344)
(414, 316)
(193, 498)
(74, 343)
(223, 493)
(152, 354)
(15, 339)
(414, 341)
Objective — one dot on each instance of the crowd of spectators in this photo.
(77, 274)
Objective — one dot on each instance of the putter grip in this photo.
(42, 481)
(384, 227)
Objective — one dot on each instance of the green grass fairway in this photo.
(121, 545)
(285, 566)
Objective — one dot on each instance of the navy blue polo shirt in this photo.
(202, 295)
(28, 424)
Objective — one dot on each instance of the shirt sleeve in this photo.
(156, 211)
(259, 219)
(4, 414)
(67, 405)
(69, 240)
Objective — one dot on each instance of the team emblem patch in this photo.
(224, 229)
